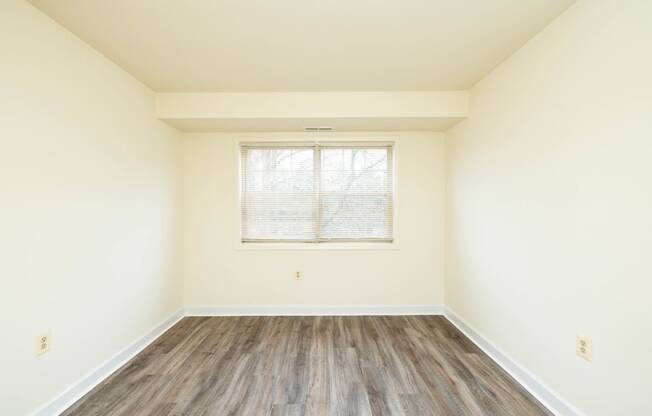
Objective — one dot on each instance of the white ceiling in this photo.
(305, 45)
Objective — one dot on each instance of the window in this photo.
(316, 192)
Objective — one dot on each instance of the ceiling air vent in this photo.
(318, 129)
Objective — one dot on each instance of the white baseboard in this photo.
(548, 397)
(64, 400)
(308, 310)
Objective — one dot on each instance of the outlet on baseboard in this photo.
(584, 348)
(297, 275)
(43, 343)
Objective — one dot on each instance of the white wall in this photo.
(550, 202)
(88, 201)
(217, 273)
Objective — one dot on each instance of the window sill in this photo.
(316, 246)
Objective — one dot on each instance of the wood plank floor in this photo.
(273, 366)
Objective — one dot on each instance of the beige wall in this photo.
(88, 191)
(550, 202)
(217, 273)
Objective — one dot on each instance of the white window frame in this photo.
(338, 245)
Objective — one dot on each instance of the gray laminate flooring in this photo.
(374, 365)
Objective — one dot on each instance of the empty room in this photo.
(326, 208)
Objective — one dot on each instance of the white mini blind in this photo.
(316, 192)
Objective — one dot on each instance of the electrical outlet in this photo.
(584, 348)
(297, 275)
(43, 343)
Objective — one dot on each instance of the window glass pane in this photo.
(355, 200)
(278, 194)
